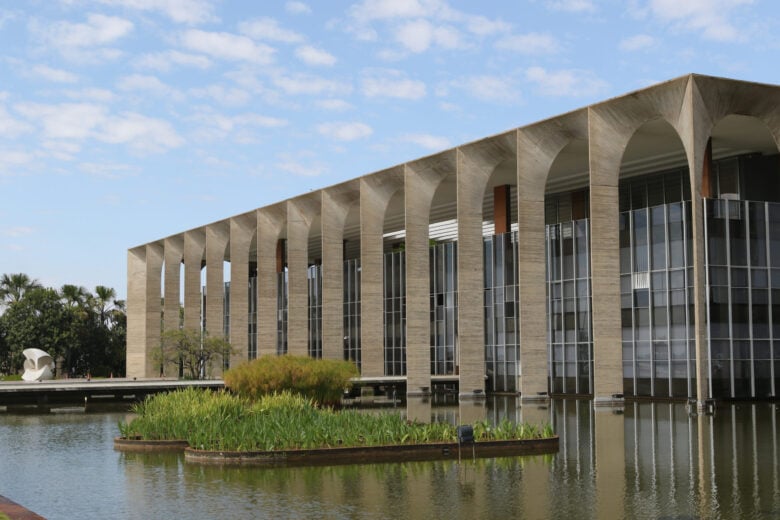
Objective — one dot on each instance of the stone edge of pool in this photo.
(350, 455)
(16, 511)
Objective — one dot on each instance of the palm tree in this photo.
(14, 286)
(103, 297)
(74, 295)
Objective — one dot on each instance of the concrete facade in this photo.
(666, 125)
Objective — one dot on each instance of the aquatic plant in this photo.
(224, 421)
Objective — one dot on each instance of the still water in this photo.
(650, 460)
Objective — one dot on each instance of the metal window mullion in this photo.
(770, 313)
(746, 213)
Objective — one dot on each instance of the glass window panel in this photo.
(757, 233)
(658, 237)
(759, 278)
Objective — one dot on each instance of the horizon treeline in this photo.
(84, 331)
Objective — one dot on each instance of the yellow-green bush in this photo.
(322, 380)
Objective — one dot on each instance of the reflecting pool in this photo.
(647, 460)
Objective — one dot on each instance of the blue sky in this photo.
(125, 121)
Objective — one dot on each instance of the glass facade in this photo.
(656, 281)
(314, 280)
(743, 271)
(352, 311)
(395, 313)
(281, 312)
(443, 266)
(502, 294)
(252, 322)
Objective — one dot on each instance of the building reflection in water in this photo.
(646, 460)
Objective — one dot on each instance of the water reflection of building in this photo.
(631, 247)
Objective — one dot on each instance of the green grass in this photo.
(4, 516)
(10, 377)
(223, 421)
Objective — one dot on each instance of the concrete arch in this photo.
(271, 223)
(243, 231)
(336, 203)
(477, 163)
(376, 192)
(144, 271)
(301, 214)
(422, 180)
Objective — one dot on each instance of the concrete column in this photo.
(375, 194)
(475, 164)
(270, 222)
(537, 148)
(242, 229)
(336, 203)
(300, 213)
(606, 148)
(174, 251)
(194, 247)
(216, 244)
(144, 272)
(420, 183)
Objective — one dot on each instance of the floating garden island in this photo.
(284, 428)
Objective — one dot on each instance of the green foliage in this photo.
(195, 351)
(224, 421)
(84, 334)
(323, 380)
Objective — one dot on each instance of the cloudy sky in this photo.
(124, 121)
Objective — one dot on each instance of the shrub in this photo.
(322, 380)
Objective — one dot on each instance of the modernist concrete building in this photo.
(629, 248)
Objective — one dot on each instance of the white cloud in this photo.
(300, 169)
(81, 121)
(91, 94)
(427, 141)
(344, 130)
(482, 26)
(140, 82)
(107, 170)
(419, 35)
(64, 120)
(11, 127)
(216, 126)
(18, 231)
(143, 133)
(712, 17)
(227, 46)
(12, 160)
(335, 105)
(491, 88)
(228, 96)
(531, 43)
(180, 11)
(637, 43)
(307, 84)
(98, 31)
(313, 56)
(572, 6)
(391, 83)
(54, 75)
(369, 10)
(269, 29)
(164, 61)
(297, 8)
(567, 83)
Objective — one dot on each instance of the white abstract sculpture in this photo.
(38, 366)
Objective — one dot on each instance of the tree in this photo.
(195, 352)
(13, 287)
(74, 295)
(104, 297)
(38, 320)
